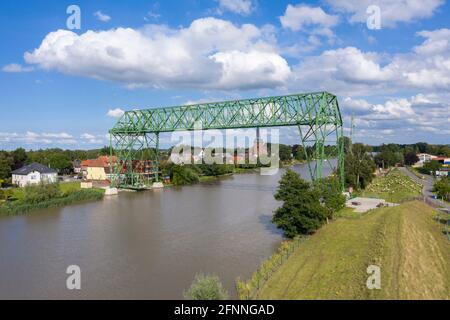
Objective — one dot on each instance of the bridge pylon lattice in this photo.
(135, 137)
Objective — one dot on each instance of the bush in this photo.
(206, 287)
(301, 212)
(183, 175)
(40, 193)
(442, 188)
(22, 207)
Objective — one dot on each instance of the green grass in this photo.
(347, 213)
(405, 241)
(18, 193)
(19, 207)
(394, 187)
(70, 186)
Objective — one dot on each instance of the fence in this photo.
(249, 290)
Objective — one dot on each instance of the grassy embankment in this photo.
(394, 187)
(405, 241)
(69, 193)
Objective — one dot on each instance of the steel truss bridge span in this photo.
(317, 116)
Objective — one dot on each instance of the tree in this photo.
(359, 167)
(301, 212)
(411, 158)
(331, 195)
(182, 175)
(430, 167)
(6, 163)
(442, 188)
(206, 287)
(20, 157)
(60, 162)
(285, 152)
(298, 152)
(390, 155)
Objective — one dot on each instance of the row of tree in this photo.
(61, 160)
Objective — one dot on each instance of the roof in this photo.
(100, 162)
(33, 167)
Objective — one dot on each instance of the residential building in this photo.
(34, 173)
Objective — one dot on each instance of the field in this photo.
(64, 186)
(404, 241)
(394, 187)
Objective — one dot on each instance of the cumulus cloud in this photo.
(350, 71)
(115, 113)
(102, 16)
(300, 16)
(16, 68)
(392, 11)
(407, 118)
(33, 138)
(160, 57)
(242, 7)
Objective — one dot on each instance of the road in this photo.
(427, 187)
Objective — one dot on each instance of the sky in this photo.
(62, 86)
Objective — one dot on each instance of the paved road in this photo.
(427, 184)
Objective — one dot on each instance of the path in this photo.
(427, 187)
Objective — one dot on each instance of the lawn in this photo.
(404, 241)
(394, 187)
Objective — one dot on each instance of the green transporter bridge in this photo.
(135, 137)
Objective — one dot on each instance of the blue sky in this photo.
(57, 86)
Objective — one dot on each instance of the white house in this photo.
(424, 157)
(34, 173)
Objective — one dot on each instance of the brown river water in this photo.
(142, 245)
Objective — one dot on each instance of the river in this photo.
(142, 245)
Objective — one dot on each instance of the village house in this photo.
(34, 173)
(97, 169)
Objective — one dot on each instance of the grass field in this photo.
(405, 241)
(64, 186)
(394, 187)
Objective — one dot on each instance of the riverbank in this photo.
(65, 194)
(332, 263)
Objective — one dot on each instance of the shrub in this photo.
(183, 175)
(206, 287)
(21, 207)
(301, 212)
(40, 193)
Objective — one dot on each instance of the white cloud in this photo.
(115, 113)
(350, 71)
(93, 139)
(16, 68)
(312, 21)
(300, 16)
(102, 16)
(242, 7)
(156, 56)
(392, 11)
(33, 138)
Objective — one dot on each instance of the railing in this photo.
(250, 289)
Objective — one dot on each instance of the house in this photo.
(97, 169)
(34, 173)
(424, 157)
(76, 166)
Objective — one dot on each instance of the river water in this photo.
(145, 245)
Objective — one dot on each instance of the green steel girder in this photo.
(317, 116)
